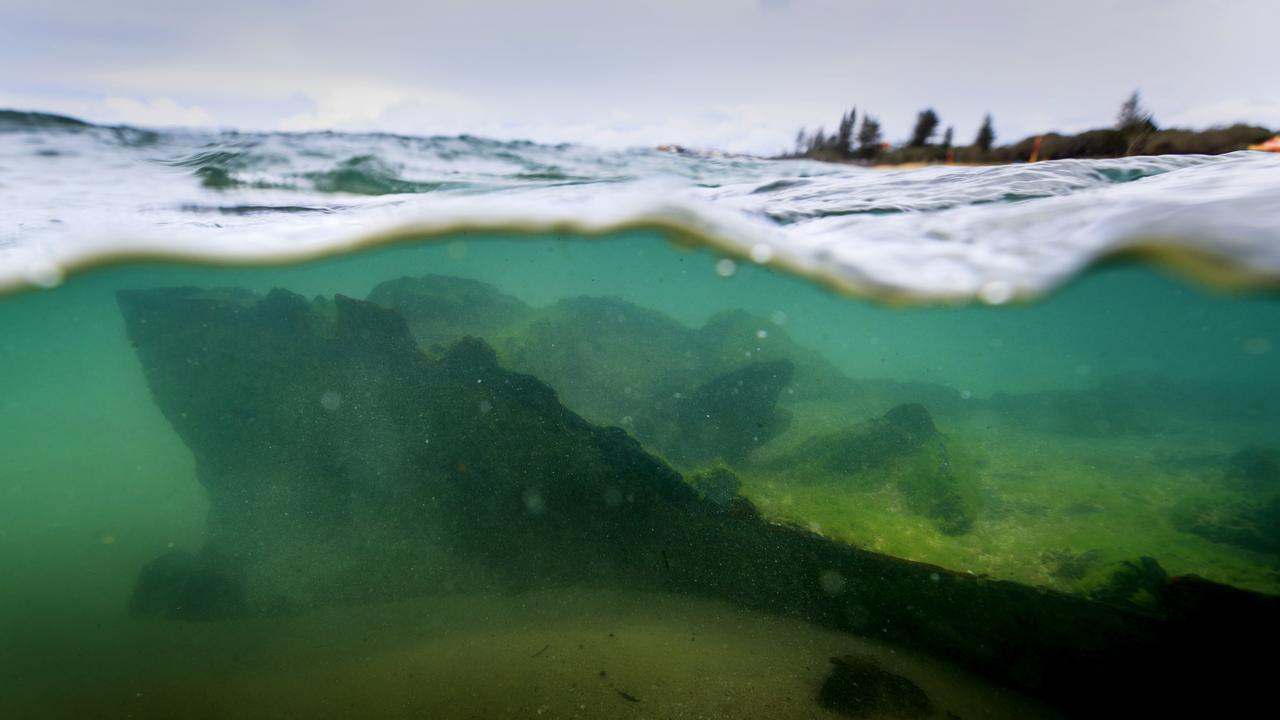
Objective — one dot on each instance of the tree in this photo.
(948, 137)
(844, 136)
(868, 137)
(1134, 122)
(986, 135)
(926, 126)
(802, 142)
(817, 141)
(1133, 117)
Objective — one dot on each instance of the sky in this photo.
(738, 75)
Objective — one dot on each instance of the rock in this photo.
(732, 337)
(620, 364)
(181, 586)
(1135, 585)
(1247, 512)
(729, 416)
(1133, 404)
(858, 687)
(440, 310)
(1068, 566)
(904, 448)
(1254, 469)
(1248, 523)
(871, 445)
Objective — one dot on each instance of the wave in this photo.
(79, 195)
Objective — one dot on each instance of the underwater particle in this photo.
(485, 407)
(966, 394)
(612, 496)
(331, 400)
(831, 582)
(761, 253)
(996, 292)
(777, 317)
(726, 267)
(1257, 346)
(45, 274)
(534, 504)
(626, 420)
(1084, 369)
(762, 334)
(935, 577)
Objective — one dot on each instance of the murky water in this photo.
(228, 501)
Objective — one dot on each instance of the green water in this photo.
(95, 483)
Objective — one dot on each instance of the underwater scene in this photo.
(634, 467)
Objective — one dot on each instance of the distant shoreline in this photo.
(1097, 144)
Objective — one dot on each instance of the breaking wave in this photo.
(78, 195)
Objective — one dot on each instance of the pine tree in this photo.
(1134, 123)
(986, 135)
(1133, 117)
(818, 141)
(844, 136)
(869, 137)
(926, 126)
(948, 137)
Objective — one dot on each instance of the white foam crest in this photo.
(994, 234)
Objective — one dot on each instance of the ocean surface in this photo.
(333, 425)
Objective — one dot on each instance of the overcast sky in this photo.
(734, 74)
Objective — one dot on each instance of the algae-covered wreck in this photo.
(441, 436)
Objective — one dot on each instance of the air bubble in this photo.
(761, 253)
(831, 582)
(1257, 346)
(533, 502)
(331, 400)
(996, 292)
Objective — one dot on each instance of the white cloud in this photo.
(368, 106)
(637, 73)
(157, 112)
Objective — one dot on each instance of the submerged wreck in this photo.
(353, 452)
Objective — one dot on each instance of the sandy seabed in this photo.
(574, 653)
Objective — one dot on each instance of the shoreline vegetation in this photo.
(860, 140)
